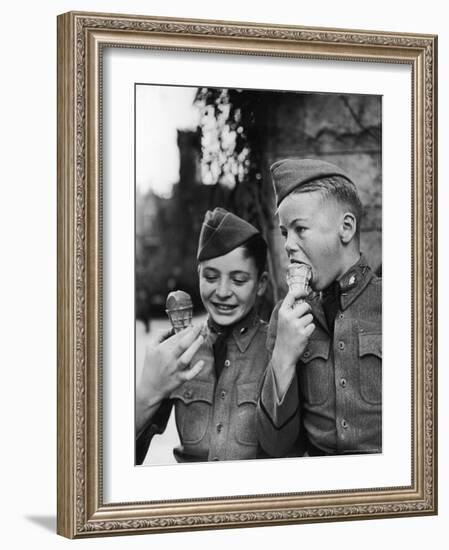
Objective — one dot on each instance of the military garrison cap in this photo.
(221, 232)
(290, 174)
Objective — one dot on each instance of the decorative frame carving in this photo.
(81, 37)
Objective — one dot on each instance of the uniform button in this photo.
(306, 353)
(227, 363)
(341, 315)
(341, 345)
(188, 394)
(223, 394)
(343, 382)
(243, 330)
(344, 424)
(219, 427)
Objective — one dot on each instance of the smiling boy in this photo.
(215, 399)
(322, 394)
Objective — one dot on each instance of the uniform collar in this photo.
(242, 331)
(351, 285)
(354, 281)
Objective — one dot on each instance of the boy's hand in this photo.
(167, 366)
(294, 328)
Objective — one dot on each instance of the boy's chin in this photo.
(224, 320)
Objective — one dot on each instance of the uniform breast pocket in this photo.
(314, 372)
(193, 405)
(245, 429)
(370, 351)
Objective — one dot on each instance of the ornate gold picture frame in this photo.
(83, 510)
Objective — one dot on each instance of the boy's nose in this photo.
(223, 291)
(290, 244)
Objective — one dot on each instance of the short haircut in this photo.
(256, 247)
(341, 190)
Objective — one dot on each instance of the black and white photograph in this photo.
(258, 274)
(247, 277)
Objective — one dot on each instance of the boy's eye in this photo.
(299, 229)
(240, 281)
(210, 278)
(284, 234)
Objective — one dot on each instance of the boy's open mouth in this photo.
(224, 308)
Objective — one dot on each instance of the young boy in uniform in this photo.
(322, 393)
(215, 399)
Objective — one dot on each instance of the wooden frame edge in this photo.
(83, 515)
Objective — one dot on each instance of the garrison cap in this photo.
(221, 232)
(290, 174)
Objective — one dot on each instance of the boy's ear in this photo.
(348, 227)
(262, 284)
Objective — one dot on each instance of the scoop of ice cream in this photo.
(178, 299)
(179, 309)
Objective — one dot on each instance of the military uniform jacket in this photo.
(216, 420)
(333, 404)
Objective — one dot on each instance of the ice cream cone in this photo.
(179, 309)
(298, 279)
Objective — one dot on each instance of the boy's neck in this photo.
(351, 257)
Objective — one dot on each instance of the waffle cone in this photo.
(298, 279)
(179, 309)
